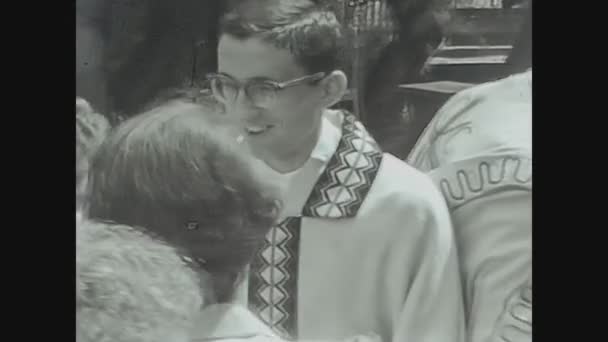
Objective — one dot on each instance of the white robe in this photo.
(228, 323)
(478, 150)
(366, 246)
(234, 323)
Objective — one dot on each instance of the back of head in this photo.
(131, 287)
(176, 171)
(419, 30)
(309, 31)
(520, 58)
(91, 129)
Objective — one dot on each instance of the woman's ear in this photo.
(334, 87)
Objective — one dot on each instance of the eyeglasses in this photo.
(262, 93)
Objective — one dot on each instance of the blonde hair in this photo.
(91, 129)
(176, 171)
(131, 287)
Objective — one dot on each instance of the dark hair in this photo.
(131, 287)
(419, 31)
(154, 45)
(310, 32)
(91, 129)
(520, 58)
(176, 172)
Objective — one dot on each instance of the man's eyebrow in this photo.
(261, 78)
(255, 78)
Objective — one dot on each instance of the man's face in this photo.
(293, 117)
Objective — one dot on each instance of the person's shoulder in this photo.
(501, 95)
(405, 205)
(483, 119)
(399, 186)
(514, 88)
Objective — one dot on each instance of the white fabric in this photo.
(234, 323)
(230, 322)
(329, 137)
(478, 150)
(391, 270)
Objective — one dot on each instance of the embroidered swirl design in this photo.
(515, 322)
(467, 184)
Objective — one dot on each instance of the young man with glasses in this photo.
(365, 242)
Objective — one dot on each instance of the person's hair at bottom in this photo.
(131, 287)
(177, 172)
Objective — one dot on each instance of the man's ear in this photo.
(334, 87)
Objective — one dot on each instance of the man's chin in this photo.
(261, 149)
(267, 149)
(263, 141)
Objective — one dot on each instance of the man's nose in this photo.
(244, 108)
(242, 100)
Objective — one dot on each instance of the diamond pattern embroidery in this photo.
(343, 185)
(273, 281)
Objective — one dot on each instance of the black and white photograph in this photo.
(303, 170)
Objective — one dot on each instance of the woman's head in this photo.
(176, 171)
(91, 129)
(131, 287)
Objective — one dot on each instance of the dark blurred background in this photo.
(405, 57)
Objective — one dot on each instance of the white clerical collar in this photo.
(222, 321)
(329, 137)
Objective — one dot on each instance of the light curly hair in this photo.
(131, 287)
(177, 171)
(91, 129)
